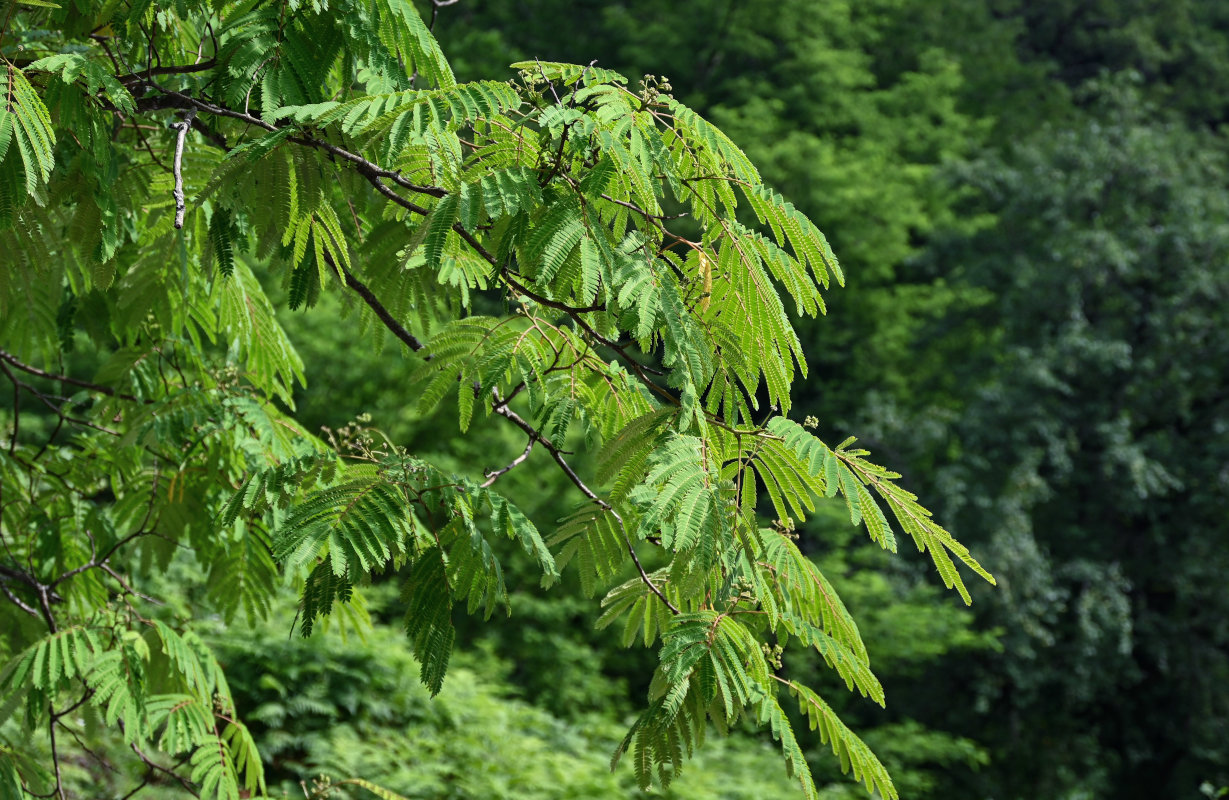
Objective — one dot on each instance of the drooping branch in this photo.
(500, 407)
(380, 179)
(17, 601)
(168, 98)
(386, 317)
(376, 175)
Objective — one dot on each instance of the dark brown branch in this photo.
(644, 576)
(126, 587)
(563, 140)
(42, 591)
(173, 99)
(574, 313)
(390, 322)
(31, 370)
(555, 304)
(170, 69)
(55, 754)
(91, 564)
(436, 5)
(501, 407)
(153, 765)
(374, 179)
(373, 168)
(149, 773)
(70, 709)
(641, 211)
(10, 574)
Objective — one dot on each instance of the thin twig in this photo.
(55, 754)
(15, 600)
(494, 474)
(31, 370)
(55, 409)
(70, 709)
(182, 126)
(172, 99)
(644, 576)
(502, 409)
(436, 5)
(148, 148)
(153, 765)
(5, 27)
(128, 588)
(172, 69)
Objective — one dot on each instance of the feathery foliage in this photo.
(153, 186)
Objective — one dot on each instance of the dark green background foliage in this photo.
(1029, 202)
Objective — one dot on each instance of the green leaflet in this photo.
(593, 539)
(247, 317)
(800, 588)
(76, 66)
(847, 472)
(356, 520)
(428, 617)
(25, 128)
(558, 232)
(403, 32)
(680, 501)
(853, 753)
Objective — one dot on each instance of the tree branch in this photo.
(15, 600)
(55, 754)
(376, 176)
(390, 322)
(155, 766)
(170, 69)
(436, 5)
(501, 407)
(182, 128)
(494, 474)
(30, 370)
